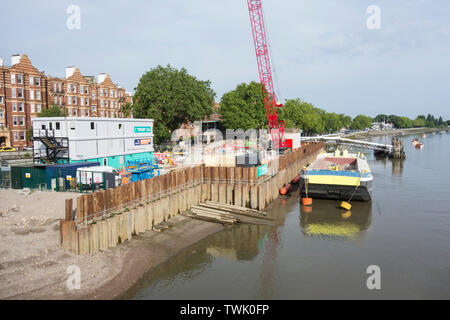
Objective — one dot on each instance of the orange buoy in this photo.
(296, 179)
(307, 201)
(307, 209)
(284, 191)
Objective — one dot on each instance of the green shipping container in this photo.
(32, 177)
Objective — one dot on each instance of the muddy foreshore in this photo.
(33, 265)
(146, 252)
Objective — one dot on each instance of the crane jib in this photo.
(276, 126)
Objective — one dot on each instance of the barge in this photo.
(337, 177)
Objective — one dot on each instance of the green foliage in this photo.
(29, 134)
(381, 118)
(172, 97)
(243, 108)
(53, 112)
(126, 109)
(361, 122)
(301, 114)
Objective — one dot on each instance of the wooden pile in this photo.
(228, 214)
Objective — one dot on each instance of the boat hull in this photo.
(338, 192)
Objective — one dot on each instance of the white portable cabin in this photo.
(90, 139)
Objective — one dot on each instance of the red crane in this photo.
(276, 126)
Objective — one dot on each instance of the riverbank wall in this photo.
(102, 220)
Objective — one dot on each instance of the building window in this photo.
(38, 108)
(60, 101)
(22, 135)
(81, 101)
(54, 87)
(94, 108)
(19, 79)
(86, 90)
(69, 111)
(21, 121)
(13, 92)
(30, 79)
(32, 108)
(13, 78)
(19, 93)
(37, 81)
(92, 126)
(14, 121)
(58, 126)
(20, 107)
(74, 88)
(43, 127)
(31, 95)
(75, 112)
(1, 99)
(16, 136)
(38, 95)
(87, 112)
(74, 100)
(102, 114)
(55, 100)
(93, 95)
(69, 86)
(59, 87)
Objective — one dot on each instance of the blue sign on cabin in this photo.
(263, 170)
(142, 129)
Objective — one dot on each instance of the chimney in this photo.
(1, 62)
(15, 59)
(70, 71)
(101, 77)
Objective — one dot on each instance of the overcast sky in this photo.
(322, 49)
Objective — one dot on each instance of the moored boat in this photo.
(338, 177)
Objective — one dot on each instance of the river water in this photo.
(324, 253)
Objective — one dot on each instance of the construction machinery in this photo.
(276, 126)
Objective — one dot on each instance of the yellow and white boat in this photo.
(338, 176)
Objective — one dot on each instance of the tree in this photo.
(345, 120)
(381, 118)
(304, 115)
(420, 121)
(332, 122)
(52, 112)
(126, 109)
(361, 122)
(172, 97)
(243, 108)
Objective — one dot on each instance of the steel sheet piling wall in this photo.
(107, 218)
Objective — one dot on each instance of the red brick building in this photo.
(25, 91)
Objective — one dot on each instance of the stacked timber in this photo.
(228, 214)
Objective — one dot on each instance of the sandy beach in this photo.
(34, 266)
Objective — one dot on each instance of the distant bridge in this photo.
(350, 142)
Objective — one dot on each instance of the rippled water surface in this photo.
(324, 252)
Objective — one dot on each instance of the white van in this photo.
(93, 177)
